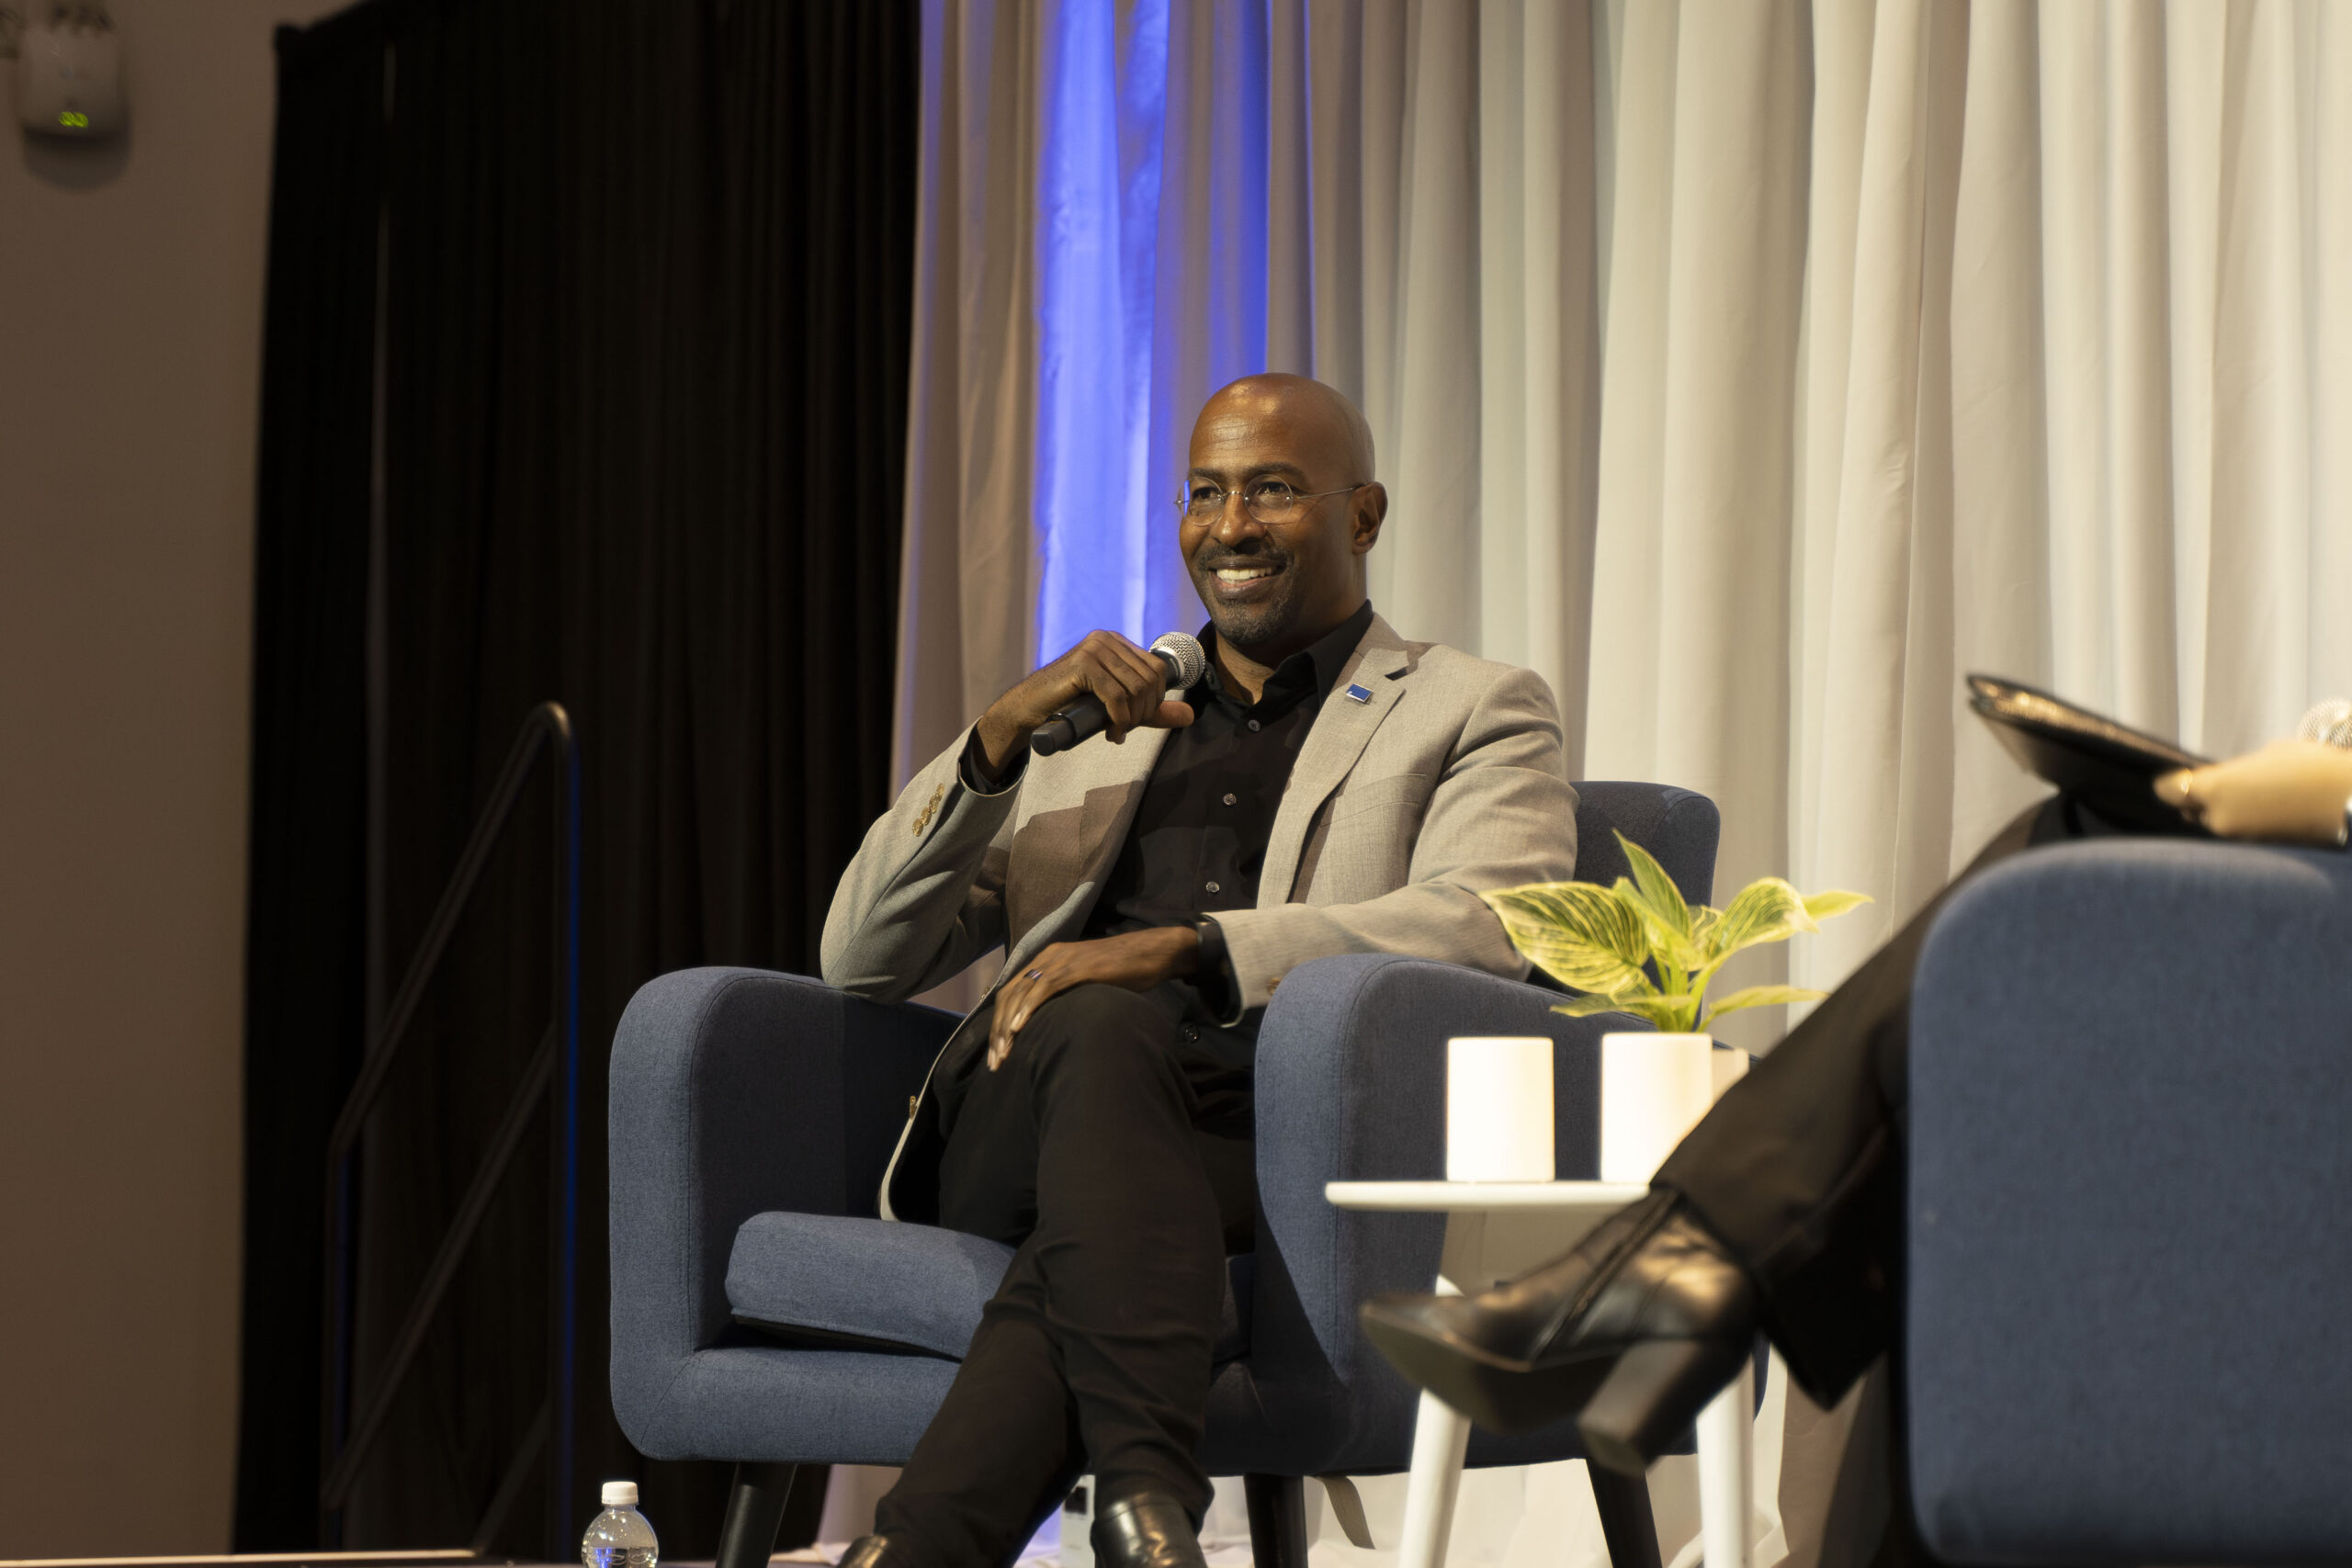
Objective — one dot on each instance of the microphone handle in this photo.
(1060, 733)
(1083, 717)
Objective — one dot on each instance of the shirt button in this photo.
(1215, 888)
(1253, 724)
(1231, 799)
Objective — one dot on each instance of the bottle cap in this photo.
(620, 1494)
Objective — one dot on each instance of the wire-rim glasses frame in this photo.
(1268, 501)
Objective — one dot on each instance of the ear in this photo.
(1365, 515)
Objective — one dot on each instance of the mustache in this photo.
(1207, 561)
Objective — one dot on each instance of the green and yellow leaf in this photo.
(1672, 1015)
(1587, 1007)
(1836, 901)
(1657, 890)
(1761, 997)
(1672, 950)
(1767, 909)
(1581, 935)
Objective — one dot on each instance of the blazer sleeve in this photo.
(925, 895)
(1502, 815)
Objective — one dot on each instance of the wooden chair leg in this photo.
(1626, 1522)
(755, 1501)
(1277, 1520)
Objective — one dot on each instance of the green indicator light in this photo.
(78, 120)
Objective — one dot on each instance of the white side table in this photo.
(1495, 1231)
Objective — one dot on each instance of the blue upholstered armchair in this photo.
(2131, 1244)
(751, 1114)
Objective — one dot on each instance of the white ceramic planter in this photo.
(1654, 1089)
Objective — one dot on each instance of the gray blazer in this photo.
(1450, 780)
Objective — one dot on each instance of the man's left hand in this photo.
(1138, 960)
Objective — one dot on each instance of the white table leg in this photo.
(1441, 1433)
(1727, 1471)
(1441, 1442)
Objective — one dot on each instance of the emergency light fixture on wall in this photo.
(68, 71)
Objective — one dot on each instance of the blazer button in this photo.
(1274, 982)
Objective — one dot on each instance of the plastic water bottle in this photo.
(619, 1536)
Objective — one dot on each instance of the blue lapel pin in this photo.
(1360, 694)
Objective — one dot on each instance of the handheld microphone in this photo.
(2329, 723)
(1185, 661)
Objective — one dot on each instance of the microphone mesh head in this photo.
(1192, 661)
(2329, 723)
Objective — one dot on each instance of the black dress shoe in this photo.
(871, 1552)
(1633, 1332)
(1146, 1530)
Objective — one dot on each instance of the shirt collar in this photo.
(1315, 667)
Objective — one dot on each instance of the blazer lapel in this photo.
(1342, 729)
(1109, 780)
(1114, 789)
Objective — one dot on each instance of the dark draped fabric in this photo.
(646, 316)
(306, 929)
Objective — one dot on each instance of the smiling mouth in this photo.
(1234, 576)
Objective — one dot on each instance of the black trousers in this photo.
(1799, 1167)
(1112, 1151)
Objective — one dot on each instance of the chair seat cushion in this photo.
(885, 1285)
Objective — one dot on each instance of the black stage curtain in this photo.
(646, 313)
(306, 912)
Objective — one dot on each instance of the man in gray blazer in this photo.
(1326, 787)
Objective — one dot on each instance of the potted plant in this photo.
(1638, 947)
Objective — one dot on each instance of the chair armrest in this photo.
(734, 1092)
(2130, 1086)
(1351, 1087)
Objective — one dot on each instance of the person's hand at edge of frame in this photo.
(2290, 792)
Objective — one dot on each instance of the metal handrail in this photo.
(552, 1079)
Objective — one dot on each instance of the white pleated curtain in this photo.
(1755, 371)
(1751, 369)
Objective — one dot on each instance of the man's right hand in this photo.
(1128, 679)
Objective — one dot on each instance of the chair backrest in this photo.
(1677, 827)
(2125, 1236)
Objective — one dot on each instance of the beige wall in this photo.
(130, 291)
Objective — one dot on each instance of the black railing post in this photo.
(563, 1197)
(551, 1079)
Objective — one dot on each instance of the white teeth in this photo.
(1243, 573)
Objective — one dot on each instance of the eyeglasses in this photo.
(1269, 501)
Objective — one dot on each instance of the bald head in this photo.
(1283, 508)
(1323, 420)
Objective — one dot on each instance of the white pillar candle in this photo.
(1498, 1109)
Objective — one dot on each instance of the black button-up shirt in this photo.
(1198, 841)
